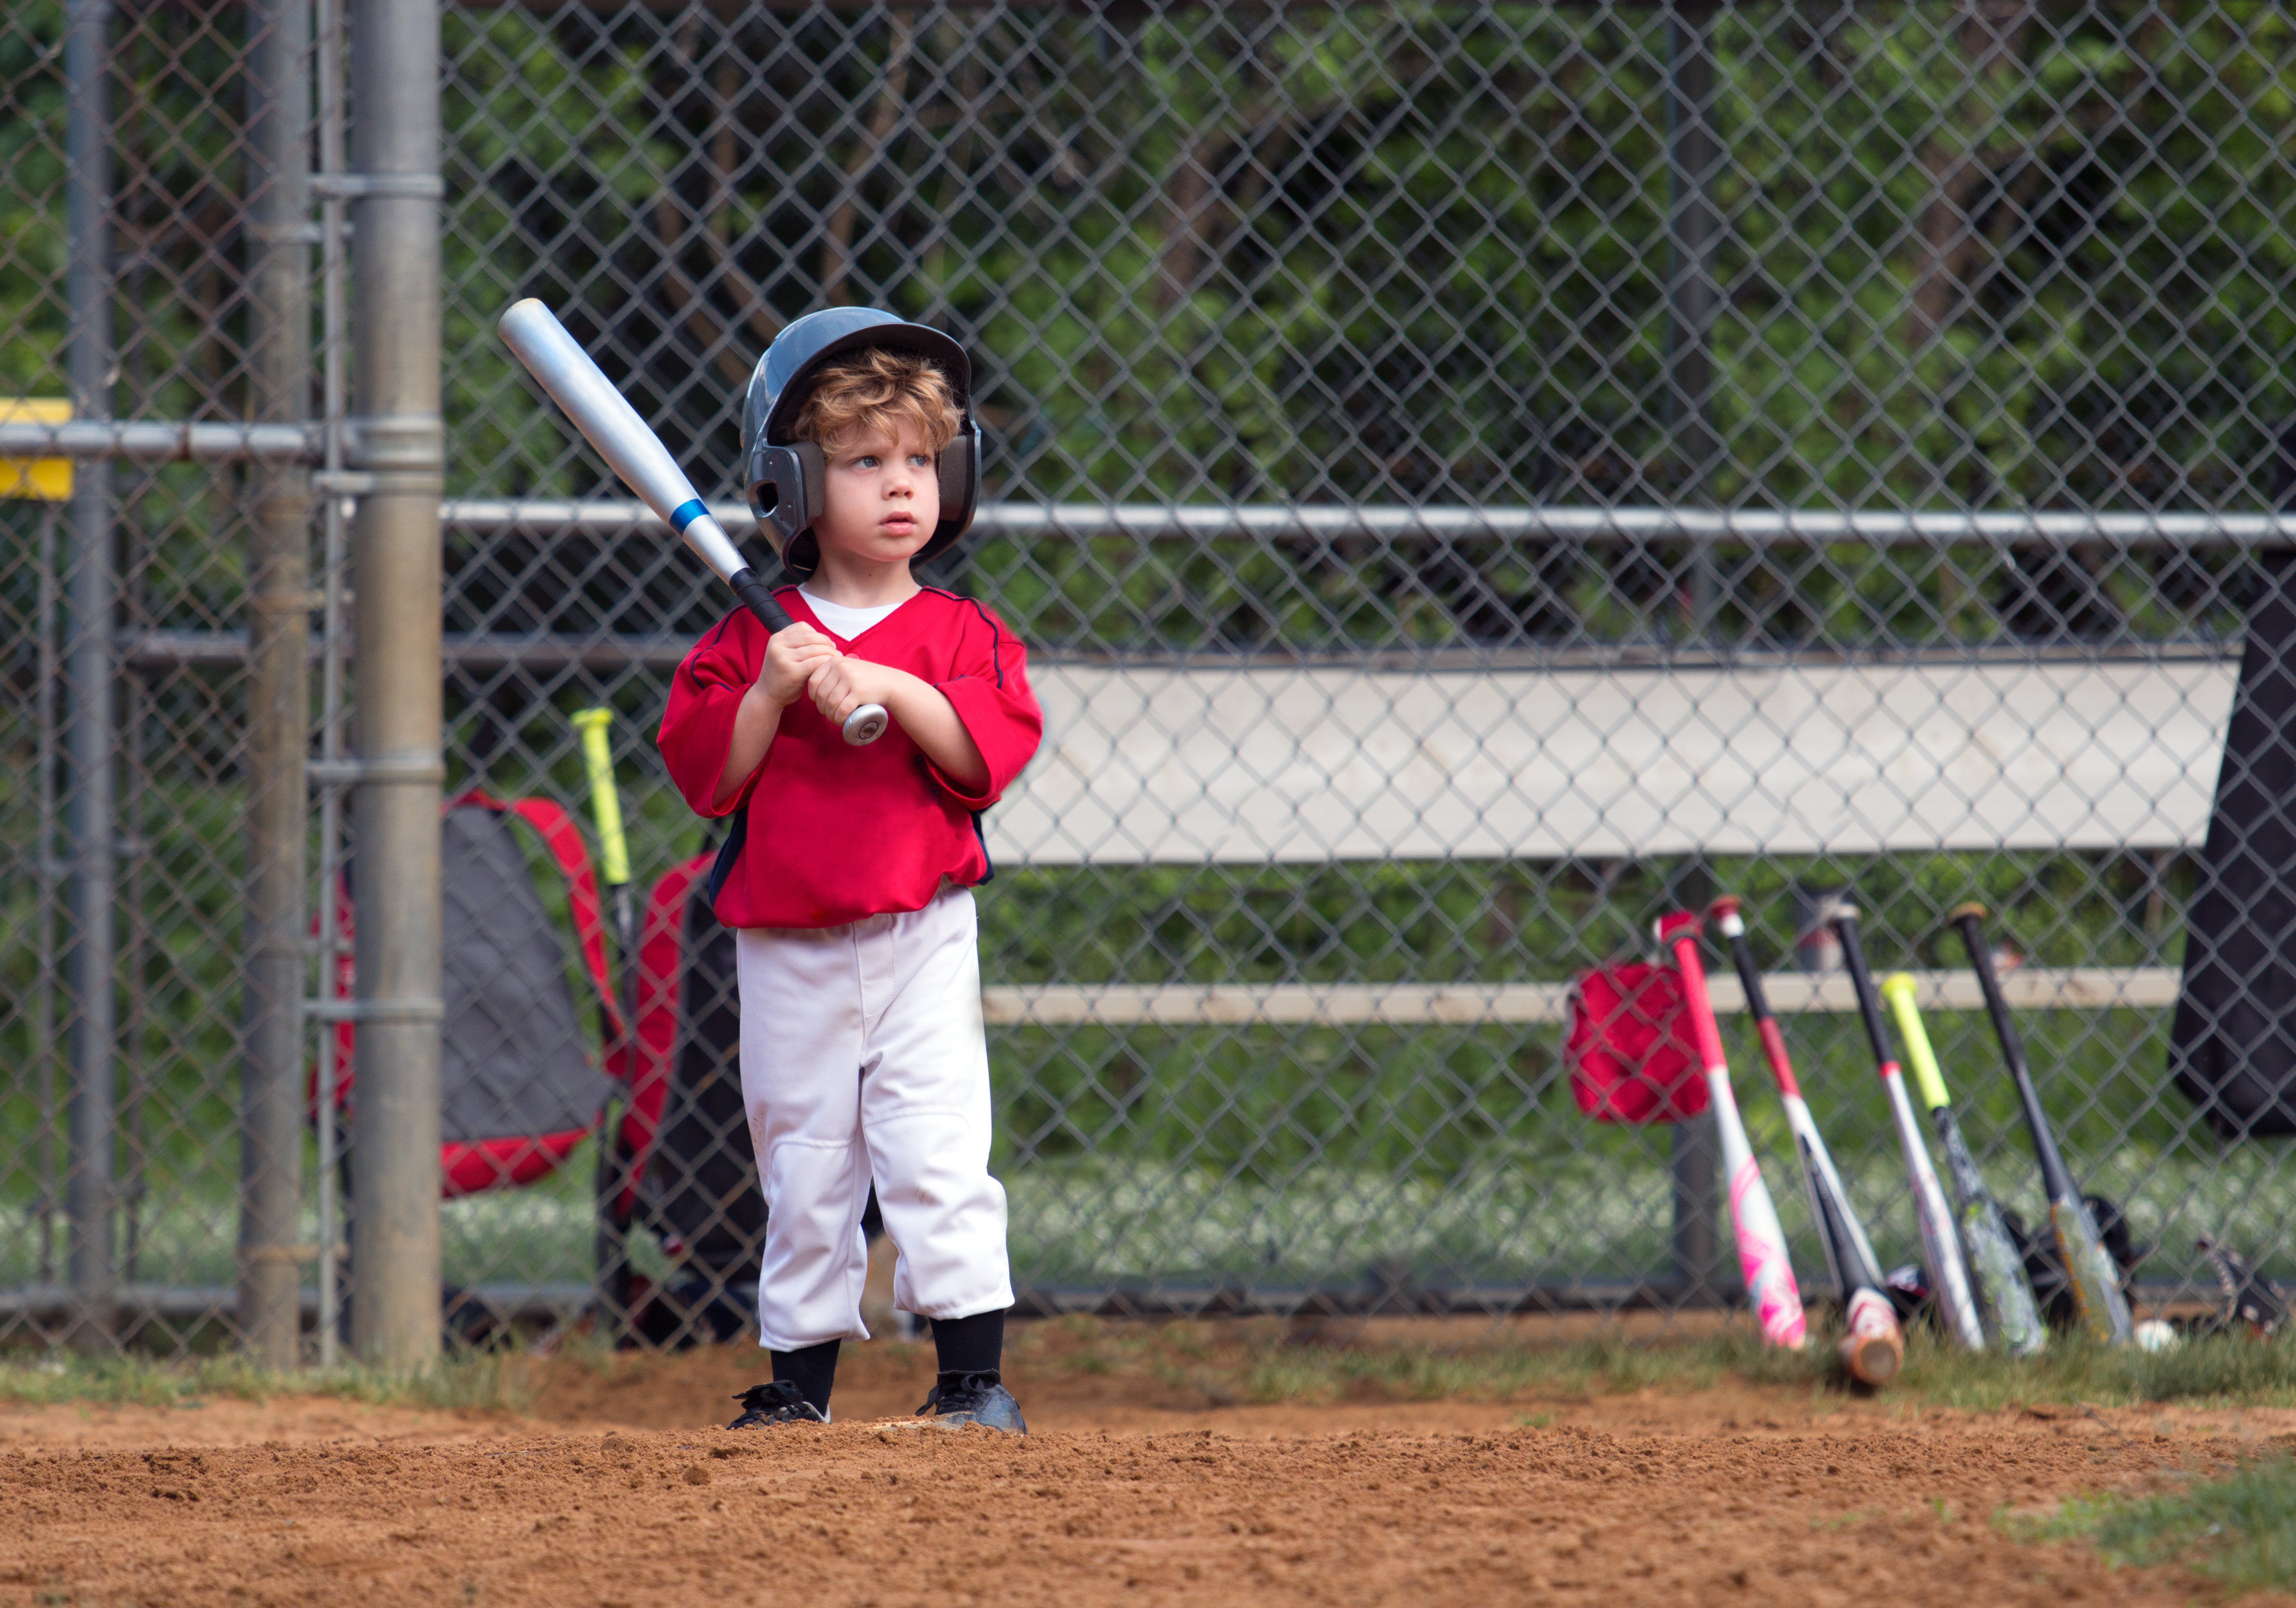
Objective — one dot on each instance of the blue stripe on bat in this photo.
(685, 514)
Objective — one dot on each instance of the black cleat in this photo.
(774, 1403)
(981, 1399)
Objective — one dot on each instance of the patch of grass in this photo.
(2229, 1369)
(1259, 1361)
(1264, 1361)
(1604, 1365)
(133, 1381)
(2239, 1531)
(478, 1381)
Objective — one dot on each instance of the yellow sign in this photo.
(42, 479)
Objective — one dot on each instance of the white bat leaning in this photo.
(1940, 1243)
(633, 451)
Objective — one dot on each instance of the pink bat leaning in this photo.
(1753, 1218)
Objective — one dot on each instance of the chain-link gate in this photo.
(1470, 477)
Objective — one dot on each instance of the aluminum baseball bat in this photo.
(606, 811)
(1762, 1242)
(1997, 1272)
(1941, 1245)
(634, 452)
(613, 851)
(605, 801)
(2095, 1282)
(1873, 1346)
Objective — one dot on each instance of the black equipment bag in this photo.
(2233, 1047)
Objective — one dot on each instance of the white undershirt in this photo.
(847, 623)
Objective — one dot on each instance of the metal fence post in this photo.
(398, 440)
(278, 692)
(1693, 225)
(1697, 1230)
(90, 743)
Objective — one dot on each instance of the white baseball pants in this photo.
(862, 1056)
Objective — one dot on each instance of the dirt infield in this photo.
(616, 1487)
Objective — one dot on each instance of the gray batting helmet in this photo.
(783, 477)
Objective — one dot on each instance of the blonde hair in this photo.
(880, 390)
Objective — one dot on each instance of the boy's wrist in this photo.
(900, 688)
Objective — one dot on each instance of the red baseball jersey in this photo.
(837, 832)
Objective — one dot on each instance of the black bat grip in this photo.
(1988, 983)
(761, 601)
(1742, 956)
(2055, 1174)
(1869, 1004)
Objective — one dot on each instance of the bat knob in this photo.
(866, 724)
(1678, 923)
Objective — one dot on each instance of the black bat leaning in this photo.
(2094, 1281)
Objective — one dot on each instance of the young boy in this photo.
(862, 1056)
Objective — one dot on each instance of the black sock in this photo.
(970, 1345)
(812, 1369)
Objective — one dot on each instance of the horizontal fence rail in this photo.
(1752, 527)
(1414, 1004)
(160, 440)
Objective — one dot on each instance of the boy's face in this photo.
(883, 501)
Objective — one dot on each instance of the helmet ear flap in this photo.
(959, 472)
(787, 491)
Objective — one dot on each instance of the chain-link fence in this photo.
(1470, 478)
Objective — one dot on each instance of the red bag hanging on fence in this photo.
(1629, 1048)
(519, 1088)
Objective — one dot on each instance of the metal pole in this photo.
(90, 739)
(1692, 227)
(280, 235)
(131, 1183)
(1697, 1236)
(44, 1018)
(330, 669)
(397, 438)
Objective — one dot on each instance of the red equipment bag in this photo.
(519, 1087)
(1629, 1048)
(676, 992)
